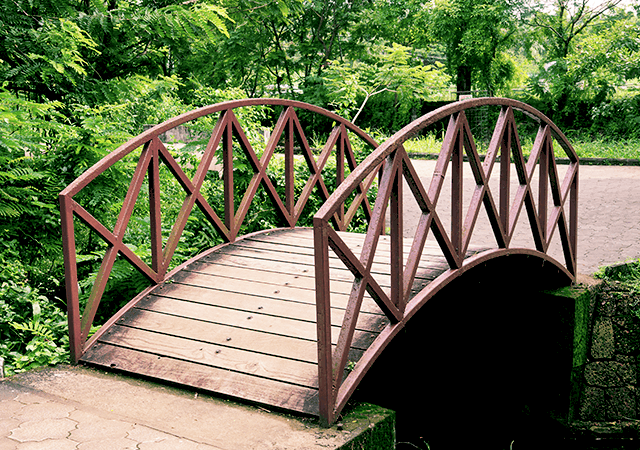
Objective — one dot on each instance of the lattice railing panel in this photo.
(547, 202)
(227, 144)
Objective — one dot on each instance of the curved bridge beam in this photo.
(550, 205)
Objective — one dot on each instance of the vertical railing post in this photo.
(71, 277)
(573, 220)
(227, 168)
(505, 177)
(323, 312)
(456, 192)
(155, 220)
(340, 167)
(543, 187)
(397, 251)
(289, 169)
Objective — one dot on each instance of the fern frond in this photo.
(8, 209)
(35, 328)
(214, 15)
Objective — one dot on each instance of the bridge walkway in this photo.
(241, 320)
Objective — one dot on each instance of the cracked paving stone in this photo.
(6, 425)
(143, 434)
(28, 398)
(109, 444)
(9, 408)
(91, 427)
(49, 444)
(152, 439)
(40, 430)
(49, 410)
(173, 443)
(7, 444)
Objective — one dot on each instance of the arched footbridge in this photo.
(293, 317)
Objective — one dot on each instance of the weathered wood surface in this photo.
(241, 321)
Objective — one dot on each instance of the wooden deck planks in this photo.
(241, 321)
(248, 303)
(214, 355)
(247, 387)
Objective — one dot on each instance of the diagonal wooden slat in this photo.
(429, 218)
(360, 271)
(482, 194)
(258, 178)
(315, 169)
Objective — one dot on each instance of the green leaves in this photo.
(590, 53)
(61, 53)
(474, 33)
(604, 60)
(388, 69)
(32, 328)
(21, 182)
(200, 20)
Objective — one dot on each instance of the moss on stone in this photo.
(377, 425)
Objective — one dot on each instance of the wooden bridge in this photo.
(294, 317)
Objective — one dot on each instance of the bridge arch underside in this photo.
(486, 360)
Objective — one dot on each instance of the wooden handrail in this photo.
(503, 215)
(226, 132)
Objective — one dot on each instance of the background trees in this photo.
(79, 52)
(567, 34)
(476, 35)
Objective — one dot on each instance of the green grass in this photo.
(626, 282)
(423, 145)
(584, 147)
(598, 148)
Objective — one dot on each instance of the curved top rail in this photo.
(376, 158)
(83, 180)
(227, 140)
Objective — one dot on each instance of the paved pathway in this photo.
(609, 216)
(73, 408)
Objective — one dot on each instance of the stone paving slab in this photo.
(80, 408)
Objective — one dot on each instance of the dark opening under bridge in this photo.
(295, 317)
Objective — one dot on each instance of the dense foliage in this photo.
(78, 78)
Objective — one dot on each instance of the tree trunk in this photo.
(463, 81)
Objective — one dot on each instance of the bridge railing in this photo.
(226, 142)
(550, 205)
